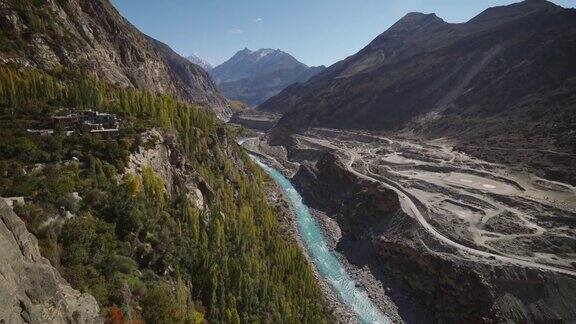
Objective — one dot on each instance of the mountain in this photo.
(137, 219)
(94, 36)
(254, 76)
(200, 62)
(165, 221)
(506, 77)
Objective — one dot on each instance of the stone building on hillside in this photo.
(65, 122)
(86, 121)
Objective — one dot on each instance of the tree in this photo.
(158, 305)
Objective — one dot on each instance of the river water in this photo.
(323, 259)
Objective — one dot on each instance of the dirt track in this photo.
(484, 210)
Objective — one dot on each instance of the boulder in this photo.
(31, 289)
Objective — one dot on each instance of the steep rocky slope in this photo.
(162, 153)
(192, 80)
(32, 290)
(254, 76)
(336, 191)
(504, 79)
(143, 221)
(453, 287)
(91, 34)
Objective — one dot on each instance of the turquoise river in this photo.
(323, 259)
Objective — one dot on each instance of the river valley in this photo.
(324, 260)
(456, 233)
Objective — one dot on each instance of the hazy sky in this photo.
(314, 31)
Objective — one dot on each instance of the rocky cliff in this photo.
(162, 153)
(91, 34)
(459, 289)
(31, 290)
(358, 205)
(453, 287)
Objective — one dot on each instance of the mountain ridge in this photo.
(254, 76)
(476, 82)
(94, 36)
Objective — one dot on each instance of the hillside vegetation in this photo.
(146, 255)
(52, 34)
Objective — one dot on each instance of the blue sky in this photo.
(314, 31)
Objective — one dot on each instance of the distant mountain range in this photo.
(200, 62)
(254, 76)
(506, 77)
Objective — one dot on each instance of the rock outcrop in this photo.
(32, 290)
(160, 152)
(457, 289)
(356, 204)
(91, 34)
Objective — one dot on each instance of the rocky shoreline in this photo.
(426, 279)
(363, 276)
(275, 197)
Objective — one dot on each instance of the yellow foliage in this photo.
(133, 184)
(154, 187)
